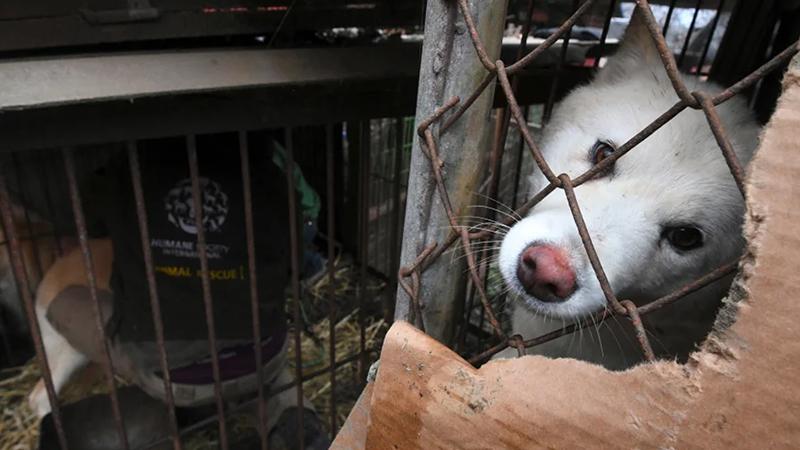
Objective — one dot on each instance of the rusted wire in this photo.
(591, 253)
(331, 201)
(487, 80)
(715, 123)
(552, 39)
(604, 34)
(641, 334)
(295, 264)
(695, 285)
(91, 278)
(687, 99)
(632, 142)
(155, 305)
(598, 318)
(21, 277)
(536, 153)
(436, 164)
(502, 123)
(244, 155)
(425, 124)
(748, 81)
(363, 247)
(473, 32)
(413, 290)
(518, 342)
(667, 58)
(197, 202)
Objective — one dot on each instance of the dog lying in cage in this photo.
(38, 250)
(662, 216)
(64, 306)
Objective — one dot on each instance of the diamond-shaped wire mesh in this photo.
(452, 110)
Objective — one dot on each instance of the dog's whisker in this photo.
(509, 211)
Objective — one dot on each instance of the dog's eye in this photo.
(601, 151)
(684, 237)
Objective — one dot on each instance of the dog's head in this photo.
(664, 214)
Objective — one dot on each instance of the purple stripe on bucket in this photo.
(234, 362)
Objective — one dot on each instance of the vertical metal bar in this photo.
(373, 200)
(496, 160)
(604, 35)
(689, 33)
(330, 194)
(641, 333)
(482, 311)
(383, 237)
(551, 99)
(244, 155)
(37, 261)
(59, 248)
(707, 47)
(83, 239)
(8, 352)
(15, 255)
(155, 305)
(37, 264)
(295, 248)
(197, 202)
(396, 215)
(364, 156)
(520, 155)
(668, 19)
(386, 212)
(462, 333)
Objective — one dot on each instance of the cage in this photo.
(220, 87)
(333, 87)
(461, 299)
(466, 171)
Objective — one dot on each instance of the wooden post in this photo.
(450, 67)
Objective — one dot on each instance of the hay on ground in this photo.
(19, 427)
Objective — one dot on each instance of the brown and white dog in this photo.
(62, 357)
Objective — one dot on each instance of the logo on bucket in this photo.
(180, 206)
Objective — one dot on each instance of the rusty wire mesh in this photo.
(454, 108)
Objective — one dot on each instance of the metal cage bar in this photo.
(155, 305)
(30, 309)
(197, 201)
(295, 261)
(244, 155)
(331, 269)
(91, 277)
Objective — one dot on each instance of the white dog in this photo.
(665, 214)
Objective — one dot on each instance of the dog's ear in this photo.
(637, 49)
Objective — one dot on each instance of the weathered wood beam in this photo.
(450, 67)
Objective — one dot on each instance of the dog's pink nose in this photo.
(545, 273)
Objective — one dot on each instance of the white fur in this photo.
(676, 176)
(62, 358)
